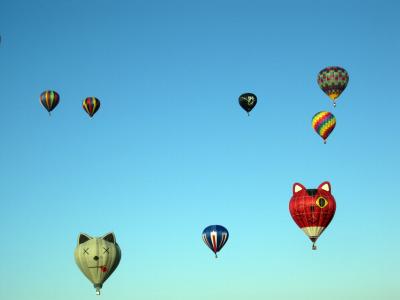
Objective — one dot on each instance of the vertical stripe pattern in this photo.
(91, 105)
(215, 237)
(49, 100)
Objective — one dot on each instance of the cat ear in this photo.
(83, 238)
(109, 237)
(297, 187)
(326, 186)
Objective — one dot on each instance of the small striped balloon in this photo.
(91, 105)
(49, 100)
(323, 123)
(215, 237)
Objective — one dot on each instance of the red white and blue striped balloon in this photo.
(215, 237)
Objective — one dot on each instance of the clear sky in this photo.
(170, 151)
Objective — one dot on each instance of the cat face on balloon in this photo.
(97, 250)
(315, 199)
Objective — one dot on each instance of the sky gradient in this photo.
(170, 151)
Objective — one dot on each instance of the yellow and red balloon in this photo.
(91, 105)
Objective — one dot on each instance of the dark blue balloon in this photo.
(215, 237)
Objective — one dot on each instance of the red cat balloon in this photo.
(312, 209)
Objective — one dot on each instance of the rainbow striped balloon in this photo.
(49, 99)
(323, 123)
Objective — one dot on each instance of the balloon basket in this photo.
(98, 287)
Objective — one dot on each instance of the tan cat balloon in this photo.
(97, 257)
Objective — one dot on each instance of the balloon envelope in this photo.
(215, 237)
(333, 81)
(312, 209)
(323, 123)
(91, 105)
(49, 100)
(248, 101)
(97, 258)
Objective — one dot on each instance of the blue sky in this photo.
(170, 151)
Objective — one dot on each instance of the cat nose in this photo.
(96, 258)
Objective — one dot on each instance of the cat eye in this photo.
(105, 250)
(85, 251)
(321, 202)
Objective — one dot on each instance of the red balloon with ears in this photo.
(312, 209)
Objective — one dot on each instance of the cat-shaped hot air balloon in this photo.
(97, 257)
(312, 209)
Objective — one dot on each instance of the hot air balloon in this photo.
(333, 81)
(247, 101)
(49, 99)
(91, 105)
(323, 123)
(312, 209)
(215, 237)
(97, 257)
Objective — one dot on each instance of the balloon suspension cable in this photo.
(314, 247)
